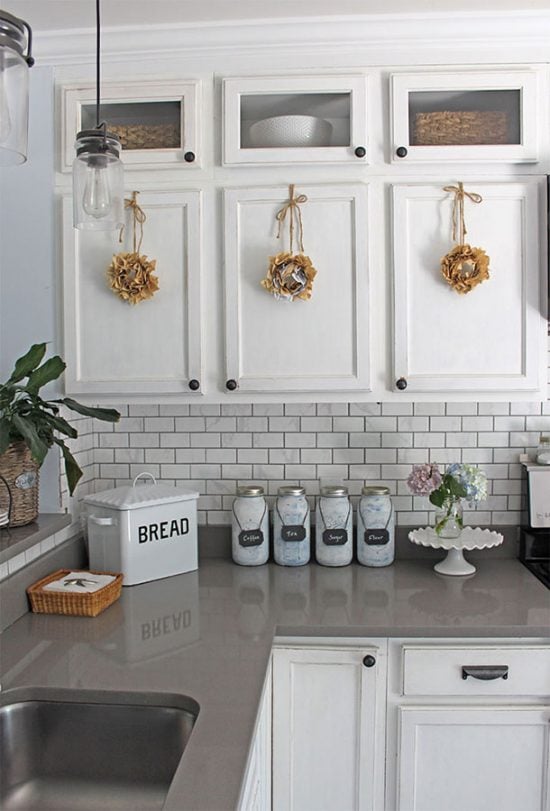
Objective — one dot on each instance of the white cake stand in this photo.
(470, 538)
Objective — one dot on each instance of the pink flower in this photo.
(424, 479)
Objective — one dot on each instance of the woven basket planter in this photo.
(458, 128)
(21, 474)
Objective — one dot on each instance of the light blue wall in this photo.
(28, 271)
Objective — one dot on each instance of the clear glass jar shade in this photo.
(14, 107)
(98, 192)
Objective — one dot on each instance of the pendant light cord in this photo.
(97, 60)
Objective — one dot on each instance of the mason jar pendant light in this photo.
(98, 178)
(15, 61)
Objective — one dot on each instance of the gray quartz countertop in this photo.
(208, 635)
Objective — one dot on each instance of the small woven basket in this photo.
(21, 474)
(460, 127)
(88, 604)
(147, 136)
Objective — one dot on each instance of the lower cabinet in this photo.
(328, 728)
(411, 725)
(256, 788)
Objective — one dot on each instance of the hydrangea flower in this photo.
(424, 479)
(472, 479)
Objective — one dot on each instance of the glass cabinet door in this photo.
(464, 116)
(295, 119)
(156, 122)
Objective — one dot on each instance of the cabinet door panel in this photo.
(113, 347)
(452, 759)
(491, 338)
(310, 345)
(325, 717)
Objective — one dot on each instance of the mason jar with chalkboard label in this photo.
(250, 527)
(375, 527)
(291, 527)
(334, 527)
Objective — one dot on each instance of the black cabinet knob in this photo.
(401, 152)
(360, 151)
(401, 384)
(189, 157)
(369, 661)
(194, 385)
(231, 385)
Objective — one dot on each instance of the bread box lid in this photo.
(132, 496)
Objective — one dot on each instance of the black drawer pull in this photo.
(189, 157)
(401, 152)
(485, 672)
(369, 661)
(360, 151)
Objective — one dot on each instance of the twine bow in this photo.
(138, 219)
(292, 207)
(458, 209)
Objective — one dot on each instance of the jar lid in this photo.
(248, 490)
(334, 491)
(377, 490)
(292, 490)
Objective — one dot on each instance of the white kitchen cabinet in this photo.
(256, 789)
(468, 726)
(158, 122)
(474, 758)
(317, 345)
(491, 339)
(465, 115)
(328, 722)
(154, 347)
(304, 119)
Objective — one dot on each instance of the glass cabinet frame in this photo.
(331, 85)
(525, 82)
(187, 94)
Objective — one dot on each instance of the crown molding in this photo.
(444, 33)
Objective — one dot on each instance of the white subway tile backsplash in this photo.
(213, 448)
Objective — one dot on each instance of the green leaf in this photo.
(4, 436)
(438, 497)
(105, 414)
(59, 424)
(456, 488)
(37, 446)
(45, 374)
(74, 473)
(26, 363)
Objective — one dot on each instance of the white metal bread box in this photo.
(147, 532)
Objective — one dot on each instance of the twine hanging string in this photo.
(138, 219)
(292, 208)
(459, 225)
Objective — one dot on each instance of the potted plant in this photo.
(30, 426)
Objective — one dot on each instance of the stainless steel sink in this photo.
(80, 750)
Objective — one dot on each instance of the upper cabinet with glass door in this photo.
(488, 116)
(156, 122)
(295, 119)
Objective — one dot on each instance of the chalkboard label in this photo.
(251, 537)
(293, 532)
(377, 537)
(335, 537)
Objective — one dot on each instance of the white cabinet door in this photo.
(158, 123)
(465, 115)
(474, 759)
(317, 345)
(491, 339)
(295, 119)
(256, 790)
(328, 711)
(115, 348)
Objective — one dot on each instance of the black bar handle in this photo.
(485, 672)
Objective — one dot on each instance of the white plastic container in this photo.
(146, 532)
(375, 527)
(250, 527)
(334, 527)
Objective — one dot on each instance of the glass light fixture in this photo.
(98, 178)
(15, 61)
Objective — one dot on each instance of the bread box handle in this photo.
(145, 473)
(101, 522)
